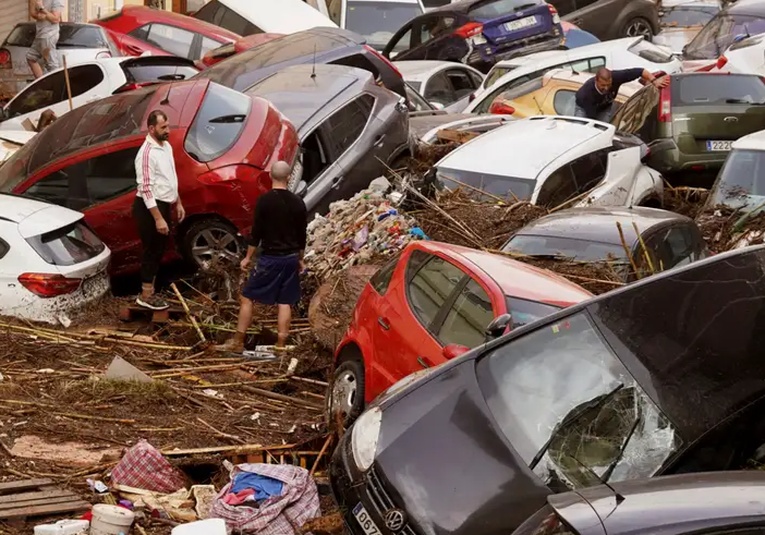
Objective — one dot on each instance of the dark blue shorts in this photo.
(274, 281)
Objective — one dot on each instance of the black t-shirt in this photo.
(593, 101)
(280, 223)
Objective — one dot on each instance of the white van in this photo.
(247, 17)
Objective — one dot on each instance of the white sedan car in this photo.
(626, 53)
(552, 160)
(89, 81)
(442, 83)
(50, 261)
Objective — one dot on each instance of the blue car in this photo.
(478, 32)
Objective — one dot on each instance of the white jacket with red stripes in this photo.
(155, 173)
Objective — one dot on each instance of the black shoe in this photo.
(152, 303)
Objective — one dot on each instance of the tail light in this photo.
(130, 86)
(103, 55)
(665, 105)
(6, 61)
(721, 61)
(554, 13)
(384, 59)
(501, 108)
(471, 29)
(49, 285)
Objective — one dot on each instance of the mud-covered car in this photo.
(662, 376)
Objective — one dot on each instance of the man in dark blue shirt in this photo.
(595, 99)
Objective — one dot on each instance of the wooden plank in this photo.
(24, 484)
(455, 135)
(40, 494)
(63, 498)
(44, 510)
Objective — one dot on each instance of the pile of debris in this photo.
(725, 229)
(361, 230)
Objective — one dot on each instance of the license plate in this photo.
(719, 145)
(365, 521)
(519, 24)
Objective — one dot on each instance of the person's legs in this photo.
(152, 250)
(50, 55)
(34, 56)
(289, 295)
(579, 112)
(283, 320)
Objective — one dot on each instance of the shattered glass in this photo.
(571, 409)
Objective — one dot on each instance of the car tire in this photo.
(208, 240)
(345, 394)
(637, 26)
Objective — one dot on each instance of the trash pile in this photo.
(725, 229)
(361, 230)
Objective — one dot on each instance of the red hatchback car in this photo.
(240, 45)
(139, 29)
(224, 143)
(433, 303)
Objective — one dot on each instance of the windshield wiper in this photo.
(571, 418)
(233, 118)
(607, 474)
(743, 101)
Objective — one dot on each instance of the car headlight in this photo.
(364, 437)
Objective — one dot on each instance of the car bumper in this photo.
(670, 159)
(352, 487)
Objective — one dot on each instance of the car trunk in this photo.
(524, 20)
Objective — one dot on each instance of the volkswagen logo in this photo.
(394, 519)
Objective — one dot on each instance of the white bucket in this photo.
(211, 526)
(111, 520)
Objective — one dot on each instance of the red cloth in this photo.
(144, 467)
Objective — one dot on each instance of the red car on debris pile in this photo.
(433, 303)
(139, 29)
(240, 45)
(224, 143)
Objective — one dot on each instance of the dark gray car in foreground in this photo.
(662, 376)
(722, 502)
(349, 128)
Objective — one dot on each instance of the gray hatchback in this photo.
(349, 127)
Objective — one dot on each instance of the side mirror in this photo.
(501, 108)
(454, 350)
(301, 188)
(740, 37)
(437, 105)
(498, 326)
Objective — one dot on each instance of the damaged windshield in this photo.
(571, 409)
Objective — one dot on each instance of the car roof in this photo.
(145, 14)
(747, 7)
(460, 6)
(690, 3)
(692, 501)
(574, 53)
(598, 223)
(300, 91)
(18, 209)
(421, 70)
(754, 141)
(516, 279)
(499, 148)
(291, 16)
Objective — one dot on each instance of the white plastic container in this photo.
(111, 520)
(63, 527)
(211, 526)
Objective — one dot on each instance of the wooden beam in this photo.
(24, 484)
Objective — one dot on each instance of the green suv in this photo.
(690, 124)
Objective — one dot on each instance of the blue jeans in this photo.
(604, 116)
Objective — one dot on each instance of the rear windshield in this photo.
(509, 94)
(741, 182)
(138, 73)
(650, 52)
(378, 21)
(493, 9)
(525, 312)
(714, 38)
(507, 187)
(581, 250)
(686, 16)
(67, 246)
(496, 73)
(705, 89)
(70, 36)
(218, 123)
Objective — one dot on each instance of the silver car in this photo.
(350, 128)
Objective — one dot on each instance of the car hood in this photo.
(421, 473)
(425, 128)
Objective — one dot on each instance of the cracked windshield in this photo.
(572, 410)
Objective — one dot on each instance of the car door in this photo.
(406, 340)
(101, 186)
(438, 90)
(596, 16)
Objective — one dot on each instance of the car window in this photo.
(381, 280)
(218, 123)
(578, 66)
(684, 16)
(70, 36)
(335, 9)
(524, 311)
(90, 182)
(676, 246)
(565, 372)
(565, 246)
(152, 72)
(177, 41)
(42, 93)
(632, 116)
(430, 287)
(718, 34)
(564, 102)
(559, 187)
(83, 78)
(705, 90)
(403, 43)
(67, 246)
(346, 124)
(465, 323)
(476, 79)
(589, 170)
(207, 45)
(4, 248)
(416, 102)
(439, 89)
(741, 182)
(378, 20)
(510, 91)
(507, 187)
(216, 13)
(496, 73)
(461, 82)
(597, 63)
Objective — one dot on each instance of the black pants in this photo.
(153, 243)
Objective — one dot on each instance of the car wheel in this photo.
(637, 27)
(346, 393)
(209, 241)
